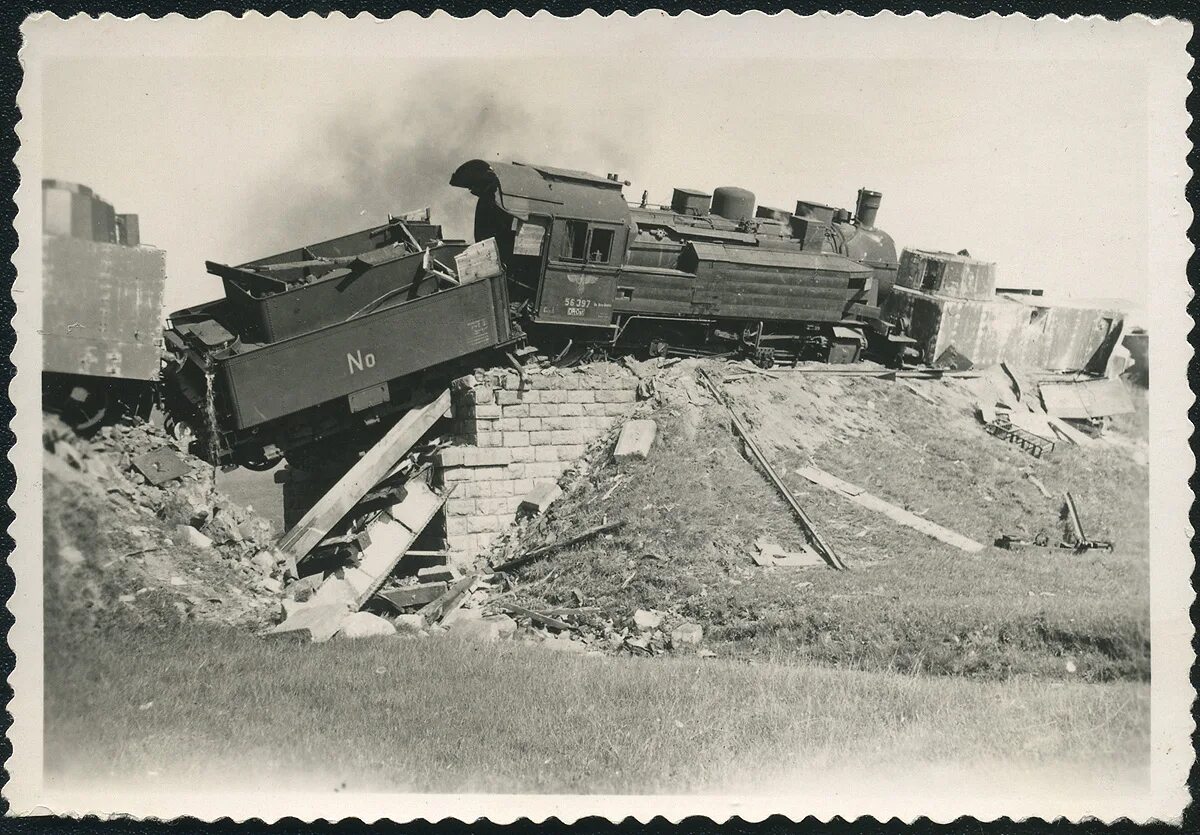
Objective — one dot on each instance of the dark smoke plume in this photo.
(396, 153)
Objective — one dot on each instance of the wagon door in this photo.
(582, 264)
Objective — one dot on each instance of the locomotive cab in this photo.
(562, 235)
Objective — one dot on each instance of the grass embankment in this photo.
(909, 602)
(195, 706)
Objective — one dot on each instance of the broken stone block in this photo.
(646, 621)
(193, 537)
(687, 635)
(506, 627)
(334, 591)
(264, 561)
(461, 616)
(316, 623)
(635, 440)
(221, 528)
(365, 625)
(196, 501)
(436, 574)
(483, 629)
(539, 499)
(409, 624)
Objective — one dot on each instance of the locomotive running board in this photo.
(361, 478)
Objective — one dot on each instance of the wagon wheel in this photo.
(258, 464)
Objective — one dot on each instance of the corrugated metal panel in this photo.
(1086, 399)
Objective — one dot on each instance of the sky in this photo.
(1026, 152)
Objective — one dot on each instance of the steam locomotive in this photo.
(328, 340)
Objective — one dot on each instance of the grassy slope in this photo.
(909, 602)
(196, 706)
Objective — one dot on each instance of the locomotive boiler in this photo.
(332, 339)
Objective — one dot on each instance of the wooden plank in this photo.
(1069, 432)
(538, 617)
(363, 476)
(917, 392)
(391, 533)
(435, 611)
(409, 596)
(554, 546)
(855, 494)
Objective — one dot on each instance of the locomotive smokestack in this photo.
(868, 207)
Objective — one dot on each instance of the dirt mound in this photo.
(693, 512)
(118, 548)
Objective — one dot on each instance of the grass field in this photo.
(909, 603)
(191, 706)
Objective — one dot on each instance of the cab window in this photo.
(575, 245)
(587, 243)
(600, 247)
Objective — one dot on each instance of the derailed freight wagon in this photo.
(333, 337)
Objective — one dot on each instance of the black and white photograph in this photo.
(503, 417)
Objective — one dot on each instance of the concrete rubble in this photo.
(125, 547)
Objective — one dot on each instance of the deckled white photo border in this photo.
(1159, 45)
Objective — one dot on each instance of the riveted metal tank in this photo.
(733, 203)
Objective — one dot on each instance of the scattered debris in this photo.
(448, 601)
(538, 500)
(769, 554)
(407, 597)
(365, 475)
(312, 622)
(917, 392)
(536, 617)
(1003, 429)
(646, 621)
(1079, 540)
(686, 635)
(635, 440)
(364, 625)
(859, 496)
(953, 360)
(160, 466)
(193, 537)
(1037, 482)
(538, 553)
(1090, 400)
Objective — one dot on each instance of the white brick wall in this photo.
(508, 441)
